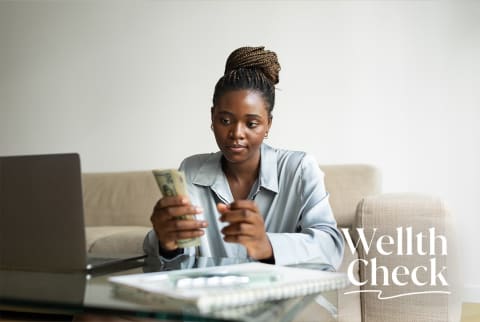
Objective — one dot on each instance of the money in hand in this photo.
(172, 183)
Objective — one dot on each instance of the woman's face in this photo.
(240, 122)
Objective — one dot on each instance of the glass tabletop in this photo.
(74, 293)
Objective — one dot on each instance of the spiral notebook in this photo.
(209, 289)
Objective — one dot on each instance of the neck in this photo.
(245, 171)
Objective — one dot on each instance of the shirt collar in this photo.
(268, 168)
(210, 172)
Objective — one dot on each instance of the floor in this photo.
(470, 312)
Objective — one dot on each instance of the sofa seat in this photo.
(115, 240)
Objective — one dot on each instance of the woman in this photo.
(250, 199)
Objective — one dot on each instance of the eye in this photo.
(224, 121)
(252, 124)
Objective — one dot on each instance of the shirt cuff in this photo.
(169, 254)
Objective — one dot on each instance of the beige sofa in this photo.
(118, 208)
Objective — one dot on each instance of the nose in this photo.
(237, 131)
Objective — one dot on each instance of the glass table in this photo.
(78, 293)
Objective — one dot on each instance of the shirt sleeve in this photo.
(317, 237)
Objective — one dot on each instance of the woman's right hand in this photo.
(169, 228)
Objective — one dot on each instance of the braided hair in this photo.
(251, 68)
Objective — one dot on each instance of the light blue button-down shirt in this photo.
(290, 194)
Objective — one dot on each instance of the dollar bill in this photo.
(172, 183)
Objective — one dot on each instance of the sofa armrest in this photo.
(403, 217)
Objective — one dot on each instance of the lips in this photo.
(235, 148)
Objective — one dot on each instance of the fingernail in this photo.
(198, 209)
(204, 224)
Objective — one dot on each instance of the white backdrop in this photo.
(128, 85)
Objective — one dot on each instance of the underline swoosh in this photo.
(380, 297)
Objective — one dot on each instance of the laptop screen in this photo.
(41, 213)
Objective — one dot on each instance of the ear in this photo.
(270, 119)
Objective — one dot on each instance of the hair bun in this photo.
(255, 58)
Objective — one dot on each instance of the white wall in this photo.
(128, 85)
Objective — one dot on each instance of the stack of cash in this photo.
(172, 183)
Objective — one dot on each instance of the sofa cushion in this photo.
(119, 199)
(115, 240)
(387, 213)
(348, 185)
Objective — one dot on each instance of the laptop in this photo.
(41, 216)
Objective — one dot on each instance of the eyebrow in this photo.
(248, 115)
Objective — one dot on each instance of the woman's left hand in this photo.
(246, 227)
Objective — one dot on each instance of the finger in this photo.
(165, 214)
(239, 229)
(222, 208)
(163, 227)
(184, 225)
(240, 215)
(231, 238)
(172, 201)
(240, 239)
(173, 230)
(244, 204)
(183, 210)
(178, 235)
